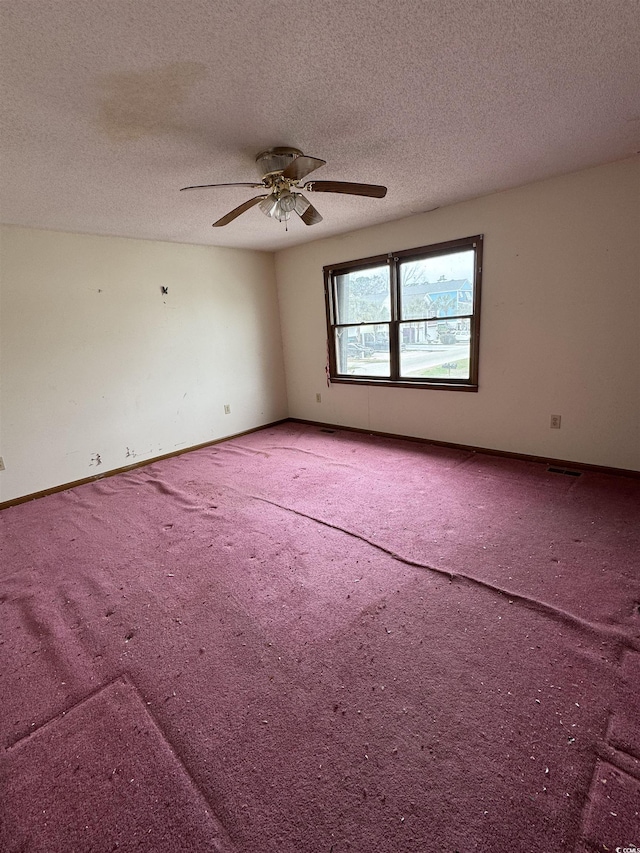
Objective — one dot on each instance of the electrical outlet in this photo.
(318, 398)
(227, 409)
(1, 464)
(555, 421)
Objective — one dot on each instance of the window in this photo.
(409, 318)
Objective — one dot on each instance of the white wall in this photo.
(560, 323)
(95, 360)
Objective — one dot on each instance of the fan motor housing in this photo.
(275, 160)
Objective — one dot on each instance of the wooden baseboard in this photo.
(558, 463)
(65, 486)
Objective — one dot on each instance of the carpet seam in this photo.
(66, 711)
(586, 804)
(531, 603)
(620, 759)
(125, 679)
(172, 749)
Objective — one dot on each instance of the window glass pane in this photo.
(363, 296)
(423, 301)
(436, 350)
(363, 350)
(437, 286)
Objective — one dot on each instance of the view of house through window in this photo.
(409, 318)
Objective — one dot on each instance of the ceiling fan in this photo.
(281, 170)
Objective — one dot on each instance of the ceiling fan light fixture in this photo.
(281, 214)
(286, 204)
(301, 204)
(268, 205)
(279, 207)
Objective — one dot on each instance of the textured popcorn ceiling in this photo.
(110, 106)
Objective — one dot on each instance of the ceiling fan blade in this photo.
(301, 167)
(371, 190)
(229, 217)
(209, 186)
(306, 211)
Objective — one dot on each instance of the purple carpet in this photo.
(84, 782)
(302, 641)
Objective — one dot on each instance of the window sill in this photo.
(408, 383)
